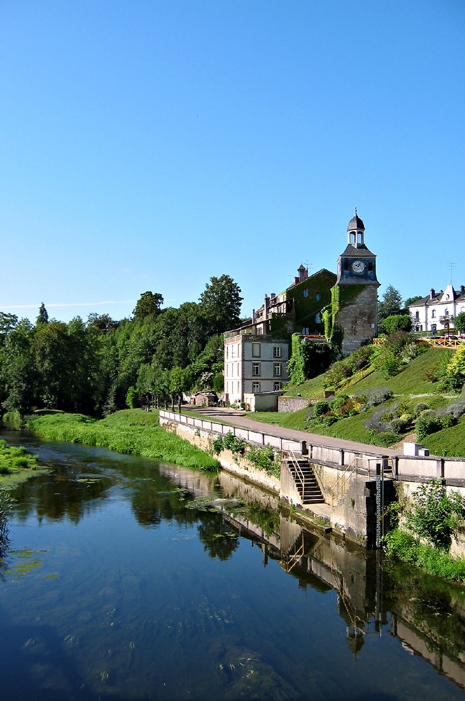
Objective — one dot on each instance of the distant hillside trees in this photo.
(89, 367)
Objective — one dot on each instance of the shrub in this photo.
(266, 459)
(234, 444)
(386, 438)
(447, 421)
(132, 398)
(399, 426)
(321, 408)
(217, 444)
(378, 395)
(456, 409)
(436, 514)
(454, 374)
(421, 406)
(427, 423)
(396, 322)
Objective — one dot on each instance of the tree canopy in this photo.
(90, 367)
(221, 303)
(391, 304)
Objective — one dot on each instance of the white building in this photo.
(254, 364)
(437, 311)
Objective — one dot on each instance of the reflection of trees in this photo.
(218, 540)
(59, 495)
(4, 508)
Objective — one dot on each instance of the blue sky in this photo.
(152, 144)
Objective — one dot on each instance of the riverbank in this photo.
(131, 431)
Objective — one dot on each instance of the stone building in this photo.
(354, 307)
(315, 306)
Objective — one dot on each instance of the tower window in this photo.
(352, 237)
(346, 265)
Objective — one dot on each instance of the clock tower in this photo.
(355, 294)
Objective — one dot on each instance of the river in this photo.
(115, 587)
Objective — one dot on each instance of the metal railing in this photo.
(343, 480)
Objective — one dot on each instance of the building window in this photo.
(277, 351)
(318, 318)
(305, 331)
(305, 293)
(256, 369)
(255, 387)
(446, 312)
(276, 386)
(417, 316)
(318, 296)
(433, 313)
(256, 350)
(277, 369)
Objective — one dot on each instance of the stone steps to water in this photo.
(306, 482)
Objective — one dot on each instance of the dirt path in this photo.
(237, 418)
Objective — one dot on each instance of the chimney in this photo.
(462, 289)
(432, 293)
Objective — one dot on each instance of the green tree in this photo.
(43, 315)
(177, 384)
(19, 368)
(409, 301)
(396, 322)
(53, 360)
(7, 324)
(391, 304)
(148, 304)
(132, 398)
(221, 304)
(459, 323)
(101, 323)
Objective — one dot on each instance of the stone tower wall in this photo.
(358, 319)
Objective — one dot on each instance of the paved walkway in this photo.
(237, 418)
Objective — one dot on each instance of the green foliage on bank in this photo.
(263, 458)
(426, 530)
(131, 431)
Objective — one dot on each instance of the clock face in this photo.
(358, 266)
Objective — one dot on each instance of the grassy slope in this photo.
(411, 386)
(131, 431)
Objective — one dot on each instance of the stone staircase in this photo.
(305, 481)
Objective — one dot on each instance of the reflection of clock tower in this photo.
(355, 296)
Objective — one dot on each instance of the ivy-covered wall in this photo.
(310, 297)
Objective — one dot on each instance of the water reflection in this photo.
(145, 599)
